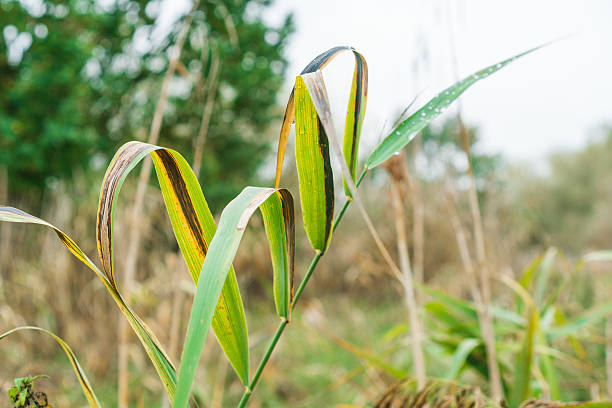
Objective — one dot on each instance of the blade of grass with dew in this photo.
(314, 170)
(221, 253)
(152, 346)
(78, 370)
(405, 132)
(193, 226)
(318, 63)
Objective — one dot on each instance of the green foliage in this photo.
(22, 395)
(87, 84)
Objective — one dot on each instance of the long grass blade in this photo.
(354, 118)
(193, 226)
(460, 356)
(407, 130)
(521, 385)
(78, 370)
(577, 324)
(152, 346)
(221, 253)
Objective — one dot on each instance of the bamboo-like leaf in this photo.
(152, 346)
(78, 370)
(405, 132)
(278, 216)
(355, 113)
(193, 226)
(460, 356)
(216, 265)
(522, 370)
(314, 170)
(354, 117)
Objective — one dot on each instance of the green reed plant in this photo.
(209, 250)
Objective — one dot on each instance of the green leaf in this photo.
(356, 110)
(221, 253)
(521, 386)
(78, 370)
(314, 170)
(277, 212)
(193, 226)
(354, 117)
(460, 356)
(590, 317)
(405, 132)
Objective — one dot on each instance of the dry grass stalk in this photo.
(135, 230)
(488, 332)
(486, 323)
(397, 170)
(462, 243)
(418, 215)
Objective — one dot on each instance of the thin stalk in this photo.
(418, 214)
(298, 293)
(409, 295)
(135, 231)
(486, 324)
(488, 330)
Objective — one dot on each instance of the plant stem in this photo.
(281, 327)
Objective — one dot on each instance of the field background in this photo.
(80, 78)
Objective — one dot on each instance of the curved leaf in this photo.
(152, 346)
(355, 111)
(78, 370)
(193, 226)
(221, 253)
(460, 356)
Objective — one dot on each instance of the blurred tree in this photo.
(442, 148)
(569, 205)
(81, 77)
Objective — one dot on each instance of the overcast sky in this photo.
(555, 99)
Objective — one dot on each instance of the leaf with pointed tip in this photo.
(405, 132)
(78, 370)
(221, 253)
